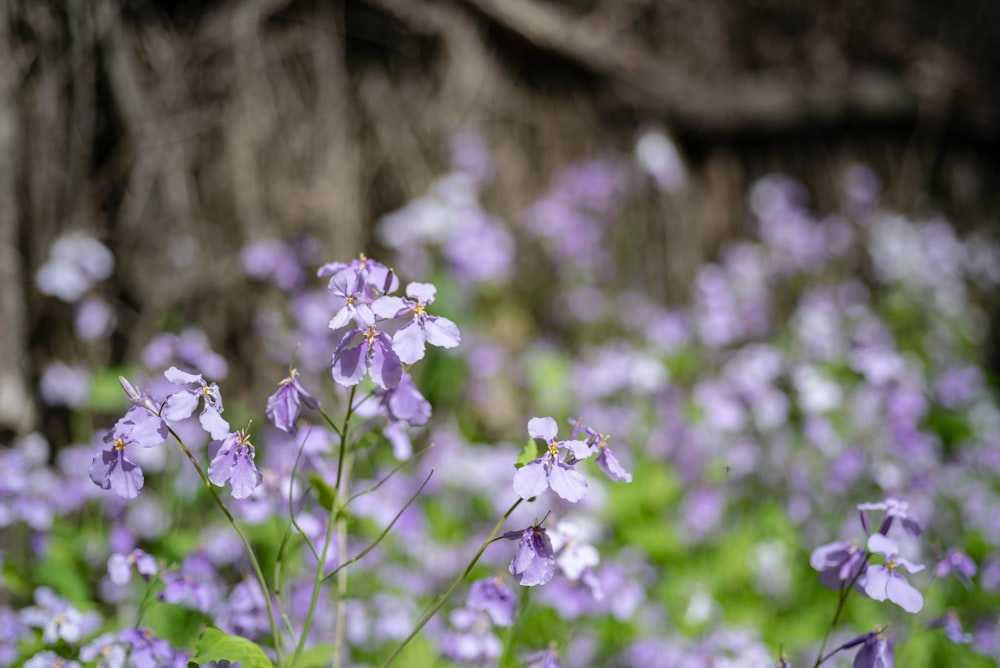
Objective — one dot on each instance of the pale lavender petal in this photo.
(909, 565)
(608, 463)
(364, 316)
(880, 544)
(876, 582)
(402, 446)
(385, 368)
(543, 428)
(422, 292)
(179, 406)
(213, 423)
(442, 332)
(119, 569)
(531, 479)
(388, 307)
(580, 449)
(350, 359)
(567, 482)
(244, 477)
(178, 377)
(409, 343)
(341, 318)
(902, 593)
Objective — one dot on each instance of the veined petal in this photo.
(903, 594)
(178, 377)
(388, 307)
(531, 479)
(212, 422)
(409, 343)
(422, 292)
(567, 482)
(880, 544)
(341, 318)
(442, 332)
(544, 428)
(350, 359)
(384, 367)
(580, 449)
(179, 406)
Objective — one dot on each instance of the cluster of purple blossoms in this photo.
(379, 333)
(147, 424)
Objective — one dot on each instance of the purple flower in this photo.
(952, 626)
(404, 403)
(548, 470)
(958, 562)
(234, 462)
(422, 328)
(894, 508)
(350, 289)
(472, 638)
(547, 658)
(58, 619)
(76, 262)
(182, 405)
(875, 652)
(64, 385)
(148, 651)
(606, 459)
(366, 351)
(120, 566)
(573, 555)
(378, 278)
(49, 659)
(534, 563)
(285, 405)
(838, 562)
(882, 581)
(105, 650)
(112, 469)
(494, 598)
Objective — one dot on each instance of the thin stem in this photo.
(842, 599)
(391, 473)
(382, 535)
(443, 598)
(331, 524)
(261, 580)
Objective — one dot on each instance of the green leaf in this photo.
(327, 495)
(215, 645)
(529, 453)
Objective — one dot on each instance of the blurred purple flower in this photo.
(49, 659)
(58, 619)
(76, 262)
(952, 626)
(64, 385)
(148, 651)
(120, 566)
(94, 319)
(875, 652)
(274, 260)
(958, 562)
(492, 596)
(190, 348)
(547, 658)
(838, 563)
(894, 508)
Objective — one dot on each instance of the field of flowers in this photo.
(483, 450)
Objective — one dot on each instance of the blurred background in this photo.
(177, 132)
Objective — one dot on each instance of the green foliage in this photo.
(215, 645)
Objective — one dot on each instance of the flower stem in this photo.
(844, 593)
(443, 598)
(243, 538)
(332, 522)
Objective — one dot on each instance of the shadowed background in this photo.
(175, 132)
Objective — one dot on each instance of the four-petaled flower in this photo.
(183, 404)
(350, 288)
(838, 563)
(234, 462)
(112, 469)
(606, 459)
(549, 470)
(421, 328)
(883, 581)
(366, 351)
